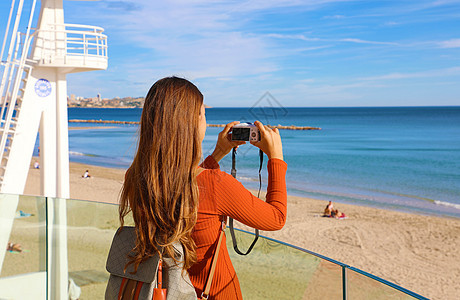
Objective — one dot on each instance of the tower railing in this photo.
(68, 44)
(73, 41)
(57, 44)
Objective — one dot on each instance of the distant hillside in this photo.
(126, 102)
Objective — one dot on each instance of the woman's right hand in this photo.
(270, 141)
(224, 142)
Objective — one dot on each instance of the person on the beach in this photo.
(14, 247)
(328, 209)
(86, 174)
(337, 214)
(173, 198)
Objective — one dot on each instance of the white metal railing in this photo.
(73, 40)
(64, 42)
(10, 85)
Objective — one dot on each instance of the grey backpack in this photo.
(141, 285)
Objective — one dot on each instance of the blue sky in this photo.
(305, 53)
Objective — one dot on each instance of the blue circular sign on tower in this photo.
(43, 87)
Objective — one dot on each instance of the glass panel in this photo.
(272, 270)
(24, 263)
(90, 230)
(363, 287)
(326, 282)
(277, 271)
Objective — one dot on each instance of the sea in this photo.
(397, 158)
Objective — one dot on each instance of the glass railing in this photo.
(276, 270)
(23, 272)
(273, 270)
(91, 227)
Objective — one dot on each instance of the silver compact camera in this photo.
(245, 132)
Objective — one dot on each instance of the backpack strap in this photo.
(207, 287)
(159, 293)
(130, 289)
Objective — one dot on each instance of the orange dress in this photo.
(222, 195)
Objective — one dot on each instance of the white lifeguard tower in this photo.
(33, 93)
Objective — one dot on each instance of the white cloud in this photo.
(452, 43)
(453, 71)
(444, 2)
(314, 39)
(360, 41)
(198, 38)
(224, 48)
(201, 38)
(256, 5)
(293, 37)
(391, 23)
(334, 17)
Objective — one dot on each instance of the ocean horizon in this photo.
(398, 158)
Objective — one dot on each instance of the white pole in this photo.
(48, 153)
(25, 47)
(62, 189)
(15, 28)
(10, 52)
(62, 136)
(58, 278)
(7, 29)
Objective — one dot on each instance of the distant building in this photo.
(98, 101)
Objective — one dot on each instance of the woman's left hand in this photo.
(224, 142)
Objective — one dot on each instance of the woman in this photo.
(328, 210)
(174, 199)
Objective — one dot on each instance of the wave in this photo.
(456, 206)
(247, 178)
(76, 153)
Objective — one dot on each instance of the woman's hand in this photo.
(224, 142)
(270, 141)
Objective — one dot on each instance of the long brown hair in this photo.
(160, 186)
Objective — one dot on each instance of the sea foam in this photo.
(76, 153)
(456, 206)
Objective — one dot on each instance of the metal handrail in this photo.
(344, 268)
(17, 77)
(95, 28)
(99, 29)
(91, 40)
(103, 36)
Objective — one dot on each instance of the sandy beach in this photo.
(418, 252)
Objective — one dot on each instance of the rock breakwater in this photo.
(291, 127)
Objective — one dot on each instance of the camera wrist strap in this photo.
(230, 225)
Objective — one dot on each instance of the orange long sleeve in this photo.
(222, 195)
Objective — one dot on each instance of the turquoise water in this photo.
(403, 158)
